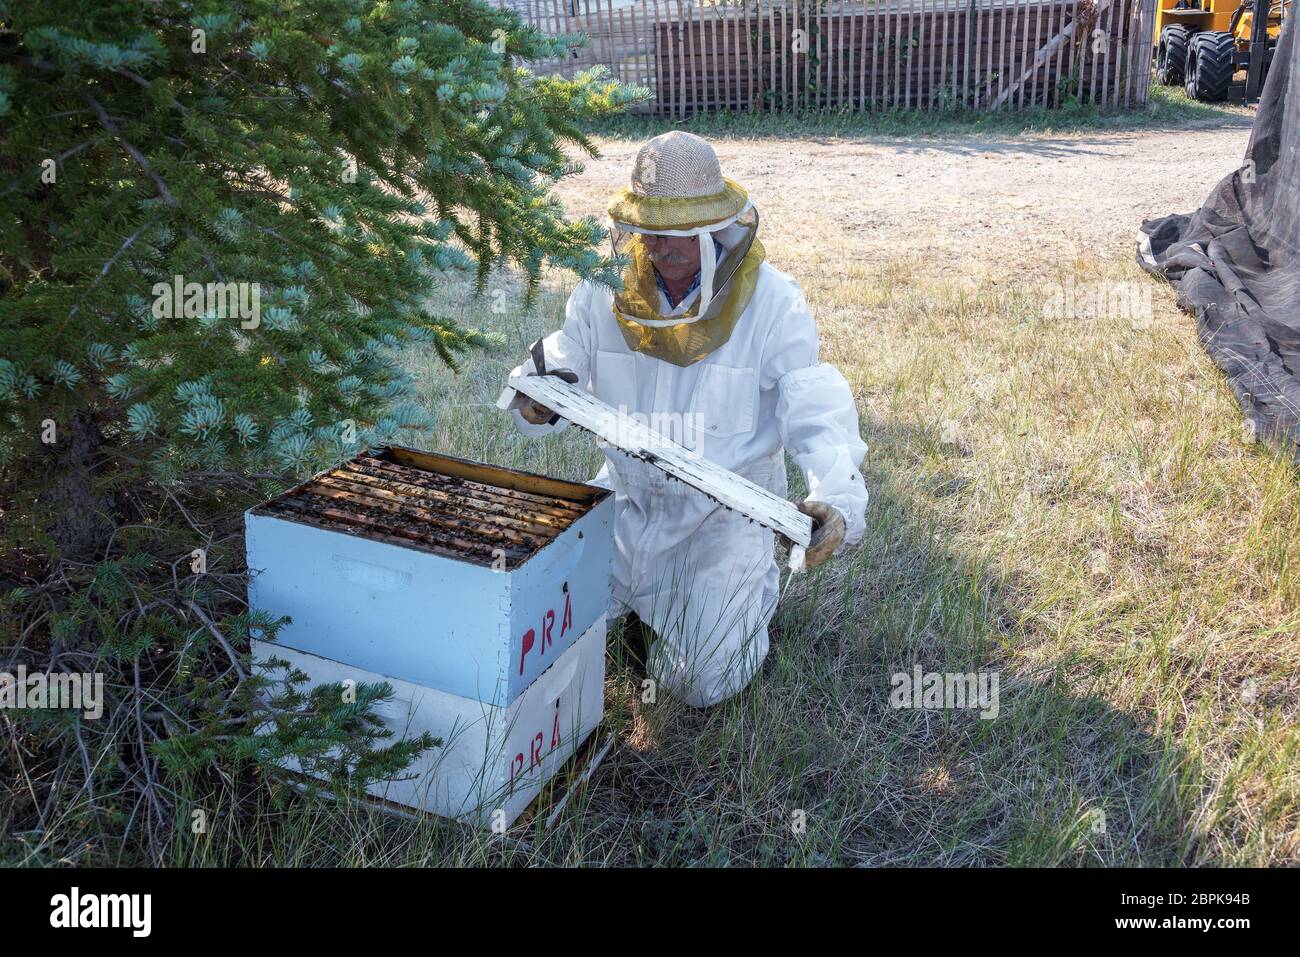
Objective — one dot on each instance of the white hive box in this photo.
(465, 578)
(493, 758)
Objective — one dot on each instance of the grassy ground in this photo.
(1166, 108)
(1071, 501)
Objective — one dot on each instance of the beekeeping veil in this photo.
(678, 190)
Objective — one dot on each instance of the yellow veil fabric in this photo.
(685, 338)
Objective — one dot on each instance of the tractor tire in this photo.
(1211, 64)
(1171, 54)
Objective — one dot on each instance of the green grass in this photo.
(1072, 502)
(1069, 502)
(1167, 108)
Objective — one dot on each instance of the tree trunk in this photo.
(80, 519)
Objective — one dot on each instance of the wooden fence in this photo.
(884, 55)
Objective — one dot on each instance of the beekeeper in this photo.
(717, 350)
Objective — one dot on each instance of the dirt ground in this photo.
(996, 206)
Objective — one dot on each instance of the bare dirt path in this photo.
(998, 206)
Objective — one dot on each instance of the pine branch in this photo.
(104, 270)
(107, 122)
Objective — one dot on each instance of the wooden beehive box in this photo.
(460, 577)
(493, 759)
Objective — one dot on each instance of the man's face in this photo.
(677, 258)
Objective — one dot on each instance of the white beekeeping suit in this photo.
(731, 372)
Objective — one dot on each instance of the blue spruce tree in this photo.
(220, 220)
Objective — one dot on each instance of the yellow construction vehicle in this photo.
(1203, 43)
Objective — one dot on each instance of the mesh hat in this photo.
(677, 183)
(678, 190)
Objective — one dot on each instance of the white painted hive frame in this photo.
(636, 439)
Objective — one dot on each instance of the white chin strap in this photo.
(708, 263)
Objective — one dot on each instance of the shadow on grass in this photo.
(811, 765)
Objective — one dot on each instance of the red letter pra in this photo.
(567, 622)
(516, 766)
(548, 622)
(527, 647)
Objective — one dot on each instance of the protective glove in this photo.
(827, 534)
(535, 413)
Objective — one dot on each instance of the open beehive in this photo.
(454, 575)
(477, 593)
(447, 506)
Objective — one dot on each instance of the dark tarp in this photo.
(1235, 262)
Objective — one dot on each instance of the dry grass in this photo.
(1071, 501)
